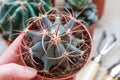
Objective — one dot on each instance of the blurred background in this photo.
(109, 22)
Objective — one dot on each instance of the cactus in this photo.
(56, 39)
(15, 13)
(87, 7)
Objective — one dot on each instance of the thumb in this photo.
(13, 71)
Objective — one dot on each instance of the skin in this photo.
(10, 68)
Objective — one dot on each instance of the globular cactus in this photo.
(56, 42)
(84, 10)
(15, 13)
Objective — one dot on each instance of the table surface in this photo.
(110, 22)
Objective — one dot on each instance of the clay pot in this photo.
(43, 78)
(91, 29)
(100, 7)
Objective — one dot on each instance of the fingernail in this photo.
(30, 71)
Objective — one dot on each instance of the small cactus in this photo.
(84, 10)
(15, 13)
(53, 40)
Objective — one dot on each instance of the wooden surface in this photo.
(107, 77)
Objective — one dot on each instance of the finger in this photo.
(13, 71)
(10, 55)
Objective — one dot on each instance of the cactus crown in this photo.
(56, 39)
(15, 13)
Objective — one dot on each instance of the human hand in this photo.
(9, 68)
(11, 55)
(14, 71)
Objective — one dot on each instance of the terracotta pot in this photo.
(100, 7)
(91, 29)
(53, 2)
(38, 77)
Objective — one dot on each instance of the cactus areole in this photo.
(56, 44)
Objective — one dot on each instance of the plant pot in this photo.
(74, 59)
(43, 78)
(100, 7)
(91, 29)
(53, 2)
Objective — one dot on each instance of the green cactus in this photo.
(56, 39)
(15, 13)
(87, 7)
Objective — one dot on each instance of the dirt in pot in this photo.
(57, 45)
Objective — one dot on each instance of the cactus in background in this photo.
(89, 10)
(15, 13)
(56, 40)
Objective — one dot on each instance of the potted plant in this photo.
(56, 44)
(15, 13)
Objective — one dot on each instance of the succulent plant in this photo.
(15, 13)
(56, 41)
(84, 10)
